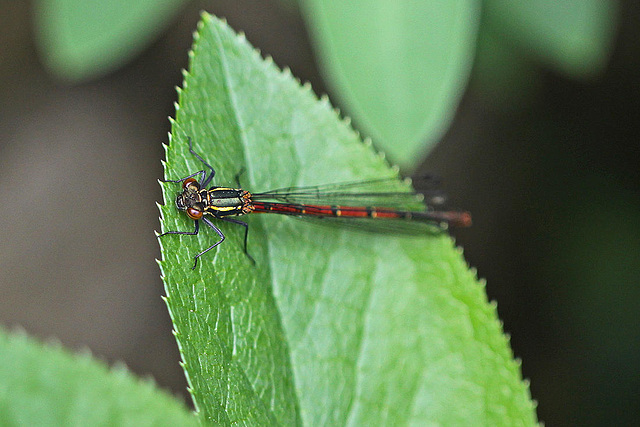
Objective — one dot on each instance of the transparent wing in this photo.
(371, 225)
(383, 192)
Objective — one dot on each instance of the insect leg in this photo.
(201, 173)
(238, 175)
(217, 230)
(246, 235)
(208, 179)
(190, 233)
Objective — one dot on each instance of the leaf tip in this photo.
(84, 352)
(472, 270)
(482, 282)
(518, 362)
(269, 60)
(120, 368)
(54, 342)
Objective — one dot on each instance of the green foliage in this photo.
(82, 39)
(572, 36)
(399, 67)
(46, 385)
(329, 326)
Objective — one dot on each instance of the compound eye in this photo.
(190, 181)
(194, 213)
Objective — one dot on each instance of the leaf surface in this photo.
(398, 67)
(46, 385)
(82, 39)
(330, 326)
(573, 36)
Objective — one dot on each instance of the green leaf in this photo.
(330, 326)
(573, 36)
(82, 39)
(503, 74)
(398, 67)
(46, 385)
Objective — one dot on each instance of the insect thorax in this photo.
(221, 201)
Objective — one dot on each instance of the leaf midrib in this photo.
(242, 137)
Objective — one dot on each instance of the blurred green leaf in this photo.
(330, 326)
(398, 67)
(573, 36)
(46, 385)
(83, 39)
(502, 74)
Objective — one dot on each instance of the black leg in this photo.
(204, 179)
(190, 233)
(201, 173)
(246, 235)
(208, 179)
(217, 230)
(240, 172)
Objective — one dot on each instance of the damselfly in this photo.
(325, 201)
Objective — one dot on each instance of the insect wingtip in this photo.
(464, 219)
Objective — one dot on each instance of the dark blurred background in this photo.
(551, 175)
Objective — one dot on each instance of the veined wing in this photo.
(383, 192)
